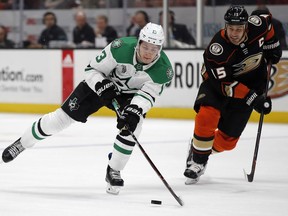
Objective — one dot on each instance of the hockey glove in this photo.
(272, 51)
(107, 91)
(259, 102)
(273, 56)
(130, 118)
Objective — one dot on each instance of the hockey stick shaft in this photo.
(178, 199)
(250, 176)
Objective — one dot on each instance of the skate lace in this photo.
(15, 149)
(115, 174)
(196, 167)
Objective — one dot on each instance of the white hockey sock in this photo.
(122, 151)
(46, 126)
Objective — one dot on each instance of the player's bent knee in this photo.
(56, 121)
(223, 142)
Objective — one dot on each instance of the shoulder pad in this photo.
(161, 72)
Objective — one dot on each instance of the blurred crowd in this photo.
(66, 4)
(85, 35)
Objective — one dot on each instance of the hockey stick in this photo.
(250, 176)
(116, 107)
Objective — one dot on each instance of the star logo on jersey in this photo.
(117, 43)
(170, 73)
(73, 105)
(122, 82)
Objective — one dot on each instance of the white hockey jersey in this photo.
(117, 62)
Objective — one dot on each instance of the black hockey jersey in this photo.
(236, 69)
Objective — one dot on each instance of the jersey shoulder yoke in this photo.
(123, 49)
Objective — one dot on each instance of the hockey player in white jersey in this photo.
(132, 71)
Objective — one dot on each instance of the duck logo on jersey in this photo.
(116, 43)
(216, 49)
(255, 20)
(279, 79)
(73, 104)
(247, 65)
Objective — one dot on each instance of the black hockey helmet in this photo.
(236, 15)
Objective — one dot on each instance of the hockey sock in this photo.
(46, 126)
(206, 122)
(122, 150)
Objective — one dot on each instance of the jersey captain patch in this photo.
(117, 43)
(255, 20)
(216, 49)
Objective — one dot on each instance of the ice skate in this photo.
(114, 181)
(12, 151)
(193, 172)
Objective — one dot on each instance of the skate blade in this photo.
(113, 189)
(190, 181)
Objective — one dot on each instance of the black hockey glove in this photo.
(259, 102)
(272, 51)
(273, 56)
(130, 117)
(107, 91)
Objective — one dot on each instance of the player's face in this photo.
(148, 52)
(235, 33)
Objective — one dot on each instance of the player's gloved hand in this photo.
(106, 90)
(273, 56)
(259, 102)
(130, 117)
(272, 51)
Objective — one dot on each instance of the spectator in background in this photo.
(179, 35)
(5, 5)
(104, 32)
(83, 33)
(4, 42)
(138, 21)
(61, 4)
(52, 32)
(278, 27)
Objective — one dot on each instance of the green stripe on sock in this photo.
(34, 133)
(122, 150)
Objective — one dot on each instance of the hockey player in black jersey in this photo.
(234, 79)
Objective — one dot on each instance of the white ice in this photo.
(64, 175)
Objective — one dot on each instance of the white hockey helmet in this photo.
(152, 33)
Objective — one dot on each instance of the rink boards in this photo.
(38, 81)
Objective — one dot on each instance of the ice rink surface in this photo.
(64, 175)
